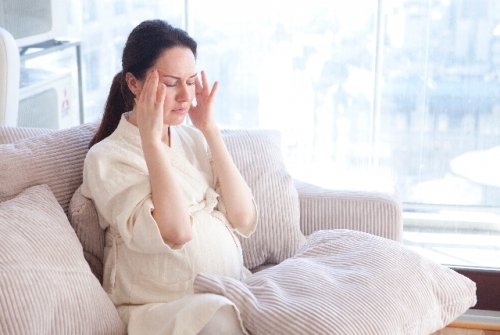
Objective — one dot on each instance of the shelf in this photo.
(51, 46)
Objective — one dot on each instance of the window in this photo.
(440, 123)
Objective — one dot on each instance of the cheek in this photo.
(169, 97)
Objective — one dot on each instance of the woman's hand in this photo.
(149, 108)
(201, 115)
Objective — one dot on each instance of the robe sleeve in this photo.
(121, 191)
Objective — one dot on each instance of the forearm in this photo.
(237, 195)
(170, 208)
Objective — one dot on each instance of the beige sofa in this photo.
(48, 295)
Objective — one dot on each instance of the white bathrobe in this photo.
(149, 281)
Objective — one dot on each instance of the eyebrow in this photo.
(177, 78)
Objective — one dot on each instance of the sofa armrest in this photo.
(378, 212)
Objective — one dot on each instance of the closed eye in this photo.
(174, 85)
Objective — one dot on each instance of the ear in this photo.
(134, 84)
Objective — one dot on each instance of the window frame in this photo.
(487, 284)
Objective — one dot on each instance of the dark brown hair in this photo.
(144, 45)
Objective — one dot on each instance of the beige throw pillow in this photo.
(46, 286)
(84, 219)
(55, 159)
(347, 282)
(257, 154)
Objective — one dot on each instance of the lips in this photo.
(179, 111)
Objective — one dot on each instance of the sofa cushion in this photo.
(257, 154)
(55, 158)
(84, 219)
(347, 282)
(46, 286)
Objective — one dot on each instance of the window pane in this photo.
(304, 68)
(440, 123)
(440, 103)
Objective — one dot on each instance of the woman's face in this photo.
(177, 71)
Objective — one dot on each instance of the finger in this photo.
(204, 82)
(198, 91)
(214, 90)
(142, 94)
(150, 87)
(197, 82)
(198, 86)
(162, 93)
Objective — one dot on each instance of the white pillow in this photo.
(46, 286)
(347, 282)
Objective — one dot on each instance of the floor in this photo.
(463, 331)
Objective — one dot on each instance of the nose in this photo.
(183, 94)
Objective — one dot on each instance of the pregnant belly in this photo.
(217, 249)
(145, 278)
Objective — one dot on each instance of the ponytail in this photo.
(120, 100)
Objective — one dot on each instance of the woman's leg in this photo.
(224, 322)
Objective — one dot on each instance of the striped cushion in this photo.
(84, 219)
(347, 282)
(257, 154)
(55, 159)
(46, 287)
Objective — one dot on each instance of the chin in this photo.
(175, 121)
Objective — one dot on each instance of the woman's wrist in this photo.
(152, 143)
(211, 132)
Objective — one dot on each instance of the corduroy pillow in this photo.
(46, 286)
(55, 159)
(347, 282)
(257, 154)
(84, 219)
